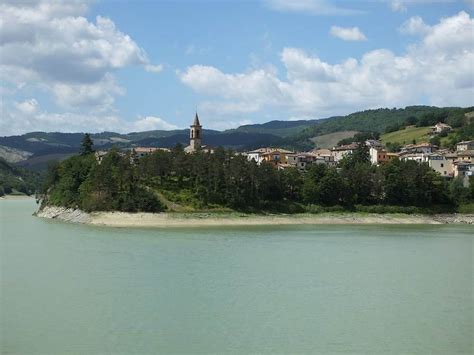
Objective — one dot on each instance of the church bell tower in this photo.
(195, 134)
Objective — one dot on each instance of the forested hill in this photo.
(37, 148)
(380, 120)
(15, 180)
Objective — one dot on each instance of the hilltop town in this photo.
(457, 163)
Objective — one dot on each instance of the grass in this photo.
(407, 135)
(331, 139)
(466, 208)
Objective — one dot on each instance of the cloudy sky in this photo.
(76, 66)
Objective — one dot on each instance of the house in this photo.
(391, 156)
(373, 143)
(276, 156)
(465, 145)
(464, 170)
(326, 154)
(440, 164)
(257, 154)
(440, 128)
(425, 148)
(465, 155)
(141, 152)
(303, 160)
(341, 151)
(378, 155)
(418, 157)
(99, 155)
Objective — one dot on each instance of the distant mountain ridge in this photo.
(38, 147)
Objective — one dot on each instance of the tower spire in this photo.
(196, 120)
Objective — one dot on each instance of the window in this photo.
(442, 165)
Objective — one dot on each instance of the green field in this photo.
(407, 135)
(331, 139)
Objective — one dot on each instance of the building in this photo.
(301, 161)
(257, 154)
(195, 138)
(341, 151)
(276, 156)
(378, 155)
(465, 156)
(465, 170)
(439, 163)
(440, 128)
(418, 157)
(424, 148)
(465, 145)
(326, 154)
(141, 152)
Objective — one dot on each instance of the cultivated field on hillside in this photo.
(331, 139)
(407, 135)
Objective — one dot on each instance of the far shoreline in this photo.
(210, 219)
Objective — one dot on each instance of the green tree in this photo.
(86, 145)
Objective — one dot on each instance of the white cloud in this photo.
(402, 5)
(48, 44)
(27, 116)
(312, 7)
(414, 26)
(150, 123)
(154, 68)
(27, 107)
(437, 70)
(348, 33)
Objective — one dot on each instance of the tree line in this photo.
(226, 179)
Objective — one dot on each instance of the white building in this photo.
(440, 128)
(341, 151)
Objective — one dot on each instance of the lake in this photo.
(76, 289)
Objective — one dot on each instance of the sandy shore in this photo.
(16, 197)
(164, 220)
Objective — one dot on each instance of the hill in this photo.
(407, 135)
(35, 149)
(14, 180)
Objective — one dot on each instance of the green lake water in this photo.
(75, 289)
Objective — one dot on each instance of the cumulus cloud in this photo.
(415, 26)
(402, 5)
(27, 107)
(348, 33)
(151, 123)
(312, 7)
(437, 70)
(27, 116)
(48, 44)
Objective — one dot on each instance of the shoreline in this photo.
(209, 219)
(16, 197)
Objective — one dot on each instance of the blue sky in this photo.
(128, 66)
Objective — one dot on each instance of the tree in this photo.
(86, 145)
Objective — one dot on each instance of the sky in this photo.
(125, 66)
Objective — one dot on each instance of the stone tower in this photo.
(195, 134)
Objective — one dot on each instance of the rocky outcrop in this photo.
(454, 218)
(64, 214)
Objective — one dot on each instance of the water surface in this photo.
(75, 289)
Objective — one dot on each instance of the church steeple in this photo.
(196, 120)
(195, 134)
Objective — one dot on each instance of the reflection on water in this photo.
(367, 289)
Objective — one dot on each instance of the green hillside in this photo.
(407, 135)
(15, 180)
